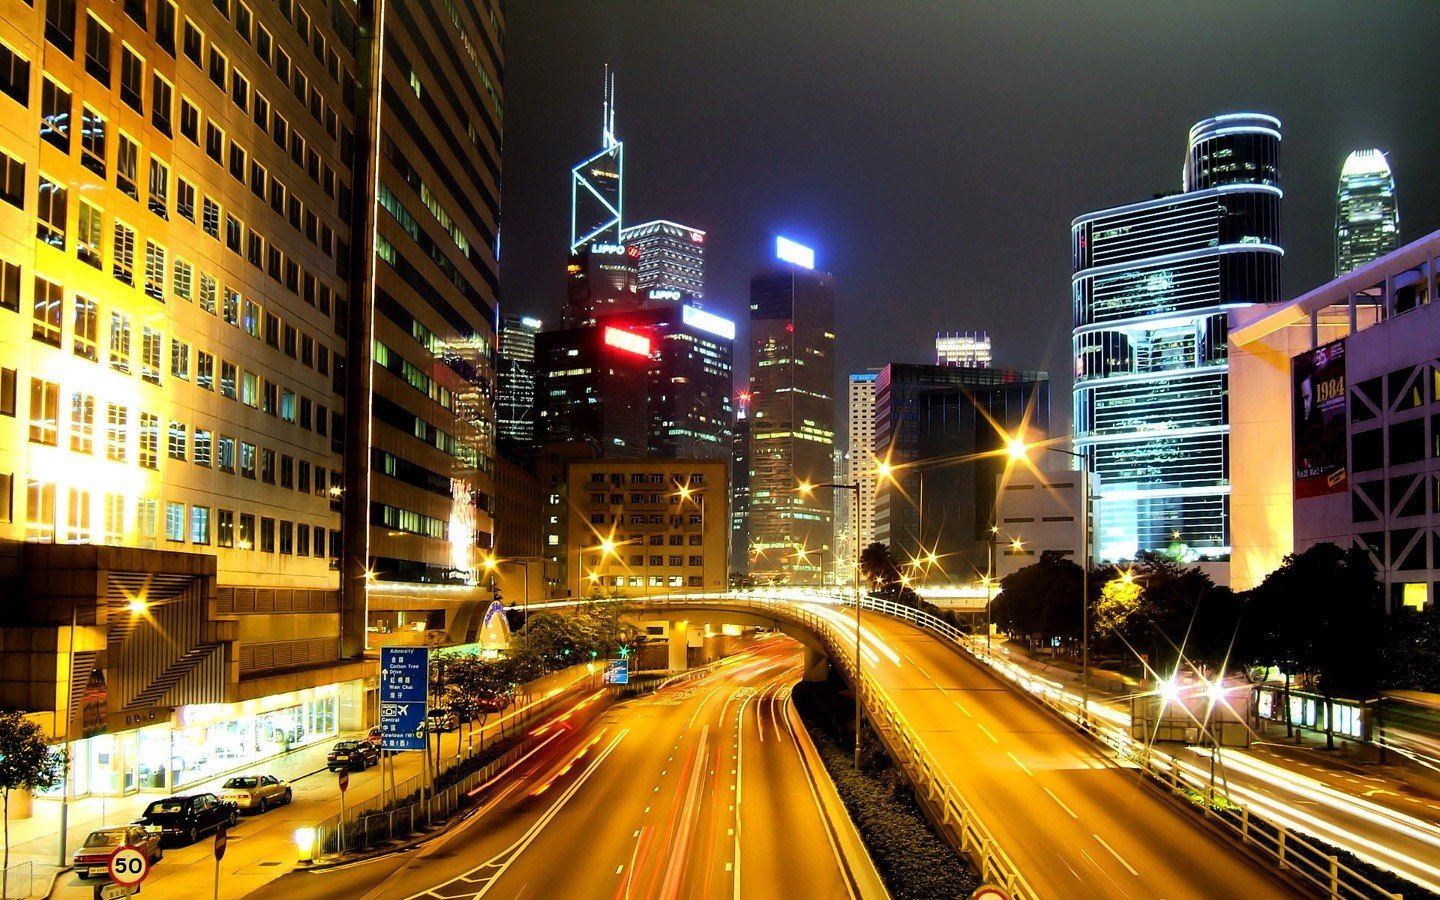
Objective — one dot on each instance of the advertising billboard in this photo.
(1318, 410)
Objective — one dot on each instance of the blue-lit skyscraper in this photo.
(596, 183)
(1152, 286)
(1367, 218)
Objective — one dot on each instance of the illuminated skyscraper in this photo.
(1153, 282)
(515, 379)
(1367, 217)
(599, 280)
(962, 348)
(740, 487)
(671, 261)
(792, 408)
(861, 459)
(596, 185)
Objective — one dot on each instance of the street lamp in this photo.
(808, 488)
(1019, 450)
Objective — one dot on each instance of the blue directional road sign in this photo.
(404, 697)
(618, 672)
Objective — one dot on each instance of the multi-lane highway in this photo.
(697, 791)
(1075, 824)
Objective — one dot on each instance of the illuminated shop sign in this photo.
(664, 294)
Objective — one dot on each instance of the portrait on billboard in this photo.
(1318, 398)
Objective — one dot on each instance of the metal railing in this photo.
(369, 823)
(1288, 850)
(20, 881)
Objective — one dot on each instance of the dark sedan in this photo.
(185, 818)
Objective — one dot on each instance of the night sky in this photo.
(934, 154)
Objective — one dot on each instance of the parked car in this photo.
(93, 856)
(187, 817)
(356, 756)
(441, 719)
(256, 792)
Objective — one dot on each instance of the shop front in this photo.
(202, 741)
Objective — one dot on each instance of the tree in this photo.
(1040, 601)
(1412, 650)
(1320, 616)
(1173, 616)
(27, 763)
(878, 566)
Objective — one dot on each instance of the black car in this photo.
(357, 756)
(187, 817)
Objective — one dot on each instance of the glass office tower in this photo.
(1153, 282)
(1367, 218)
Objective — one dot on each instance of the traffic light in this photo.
(594, 654)
(624, 651)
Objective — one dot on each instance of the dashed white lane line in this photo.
(961, 707)
(1116, 855)
(1062, 803)
(1020, 764)
(987, 733)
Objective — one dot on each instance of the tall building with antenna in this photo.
(1367, 218)
(595, 184)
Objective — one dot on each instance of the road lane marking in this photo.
(987, 733)
(1020, 764)
(962, 708)
(619, 869)
(1062, 803)
(1116, 855)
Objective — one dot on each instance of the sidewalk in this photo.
(316, 794)
(1353, 767)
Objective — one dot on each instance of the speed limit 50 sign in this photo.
(129, 865)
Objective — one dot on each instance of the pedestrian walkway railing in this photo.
(383, 818)
(19, 881)
(1290, 851)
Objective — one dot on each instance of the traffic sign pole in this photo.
(344, 782)
(221, 839)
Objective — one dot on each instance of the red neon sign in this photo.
(624, 340)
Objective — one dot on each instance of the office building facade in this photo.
(1337, 419)
(962, 348)
(594, 383)
(1153, 282)
(647, 526)
(423, 330)
(861, 460)
(943, 431)
(186, 489)
(792, 430)
(600, 280)
(740, 488)
(1367, 214)
(515, 380)
(671, 261)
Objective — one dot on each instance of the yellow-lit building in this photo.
(195, 264)
(647, 526)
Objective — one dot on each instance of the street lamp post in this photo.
(806, 488)
(1019, 450)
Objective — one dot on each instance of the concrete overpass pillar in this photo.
(817, 665)
(677, 645)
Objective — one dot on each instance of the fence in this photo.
(20, 881)
(369, 823)
(1288, 850)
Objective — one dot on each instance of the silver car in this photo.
(256, 792)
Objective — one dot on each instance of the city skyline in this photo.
(673, 163)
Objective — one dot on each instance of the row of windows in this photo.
(655, 580)
(53, 228)
(617, 478)
(640, 559)
(178, 441)
(101, 517)
(652, 519)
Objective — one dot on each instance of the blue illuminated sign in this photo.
(404, 697)
(787, 250)
(699, 318)
(618, 672)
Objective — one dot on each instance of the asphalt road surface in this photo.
(697, 791)
(1075, 825)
